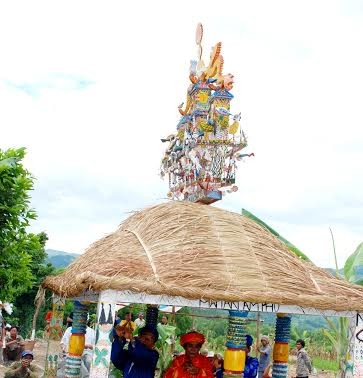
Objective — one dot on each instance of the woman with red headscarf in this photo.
(191, 364)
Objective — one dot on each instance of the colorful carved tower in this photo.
(235, 354)
(281, 347)
(77, 340)
(201, 157)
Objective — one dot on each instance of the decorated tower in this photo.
(201, 158)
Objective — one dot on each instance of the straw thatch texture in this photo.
(198, 251)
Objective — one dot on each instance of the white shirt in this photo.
(89, 337)
(140, 322)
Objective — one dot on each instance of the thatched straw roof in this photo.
(202, 252)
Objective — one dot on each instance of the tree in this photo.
(17, 247)
(184, 322)
(24, 304)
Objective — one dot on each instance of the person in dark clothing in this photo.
(218, 366)
(139, 359)
(251, 364)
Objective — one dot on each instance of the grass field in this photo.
(322, 364)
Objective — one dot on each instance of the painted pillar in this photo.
(77, 340)
(103, 345)
(235, 354)
(358, 348)
(281, 347)
(55, 335)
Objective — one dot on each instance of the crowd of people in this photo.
(134, 353)
(14, 355)
(136, 356)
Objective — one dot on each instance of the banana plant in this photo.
(338, 332)
(165, 346)
(353, 268)
(338, 336)
(353, 272)
(296, 334)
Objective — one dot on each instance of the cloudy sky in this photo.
(89, 87)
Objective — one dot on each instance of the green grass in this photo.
(321, 364)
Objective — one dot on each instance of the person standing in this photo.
(251, 364)
(128, 323)
(139, 359)
(192, 363)
(303, 363)
(140, 321)
(164, 320)
(265, 355)
(218, 366)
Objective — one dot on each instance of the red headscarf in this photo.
(192, 337)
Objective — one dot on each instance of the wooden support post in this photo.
(258, 332)
(173, 320)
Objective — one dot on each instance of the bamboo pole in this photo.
(258, 323)
(173, 316)
(38, 301)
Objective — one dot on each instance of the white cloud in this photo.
(95, 150)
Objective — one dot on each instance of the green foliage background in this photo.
(22, 264)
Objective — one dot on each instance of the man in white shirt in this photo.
(140, 321)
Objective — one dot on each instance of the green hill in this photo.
(60, 259)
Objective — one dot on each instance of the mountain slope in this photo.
(60, 259)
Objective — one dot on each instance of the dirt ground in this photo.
(40, 351)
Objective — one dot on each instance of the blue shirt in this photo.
(264, 358)
(251, 367)
(137, 361)
(218, 373)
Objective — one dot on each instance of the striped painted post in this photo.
(77, 340)
(281, 347)
(235, 354)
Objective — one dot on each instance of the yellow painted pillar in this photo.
(77, 340)
(281, 347)
(235, 354)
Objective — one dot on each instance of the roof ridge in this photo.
(147, 252)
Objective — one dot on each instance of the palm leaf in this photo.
(353, 268)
